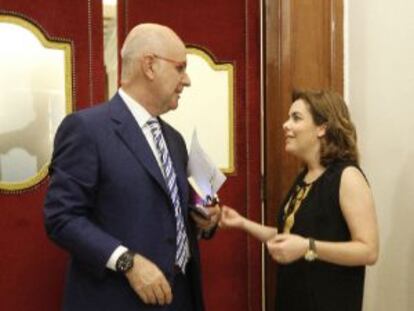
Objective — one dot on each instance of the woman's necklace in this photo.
(295, 201)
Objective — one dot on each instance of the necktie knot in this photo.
(155, 129)
(153, 124)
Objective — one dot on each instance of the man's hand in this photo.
(213, 218)
(149, 282)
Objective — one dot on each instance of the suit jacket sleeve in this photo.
(69, 206)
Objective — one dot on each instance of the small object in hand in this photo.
(211, 201)
(200, 211)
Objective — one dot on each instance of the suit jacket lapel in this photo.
(131, 134)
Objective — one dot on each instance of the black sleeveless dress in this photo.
(317, 285)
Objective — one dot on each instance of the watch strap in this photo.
(311, 253)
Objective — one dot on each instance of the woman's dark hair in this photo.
(328, 108)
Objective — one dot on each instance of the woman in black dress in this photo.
(327, 229)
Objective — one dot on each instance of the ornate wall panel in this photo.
(32, 269)
(36, 94)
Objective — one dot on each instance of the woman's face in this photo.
(301, 133)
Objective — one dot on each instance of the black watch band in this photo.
(125, 262)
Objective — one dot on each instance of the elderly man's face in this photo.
(172, 78)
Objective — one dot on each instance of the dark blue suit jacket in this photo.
(106, 189)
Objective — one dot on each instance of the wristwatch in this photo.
(125, 262)
(311, 253)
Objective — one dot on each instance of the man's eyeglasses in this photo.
(180, 66)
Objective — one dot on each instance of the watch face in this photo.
(310, 255)
(125, 262)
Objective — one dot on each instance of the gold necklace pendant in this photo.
(293, 205)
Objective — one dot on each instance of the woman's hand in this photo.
(286, 248)
(230, 218)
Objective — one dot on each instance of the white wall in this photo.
(380, 92)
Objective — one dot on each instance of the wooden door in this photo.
(32, 268)
(304, 50)
(229, 31)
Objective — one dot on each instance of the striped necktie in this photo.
(183, 252)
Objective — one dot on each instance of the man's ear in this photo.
(322, 130)
(147, 66)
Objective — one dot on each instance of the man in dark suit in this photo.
(118, 195)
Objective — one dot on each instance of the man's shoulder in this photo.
(86, 118)
(93, 111)
(99, 113)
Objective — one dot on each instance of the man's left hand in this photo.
(214, 213)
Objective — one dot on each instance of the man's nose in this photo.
(186, 79)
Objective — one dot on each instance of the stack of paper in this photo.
(203, 175)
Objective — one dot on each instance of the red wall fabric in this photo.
(32, 268)
(230, 31)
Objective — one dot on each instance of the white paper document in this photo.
(203, 175)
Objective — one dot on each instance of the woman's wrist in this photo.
(244, 224)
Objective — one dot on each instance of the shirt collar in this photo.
(141, 115)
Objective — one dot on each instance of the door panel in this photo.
(304, 50)
(230, 32)
(32, 268)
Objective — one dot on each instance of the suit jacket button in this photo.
(170, 240)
